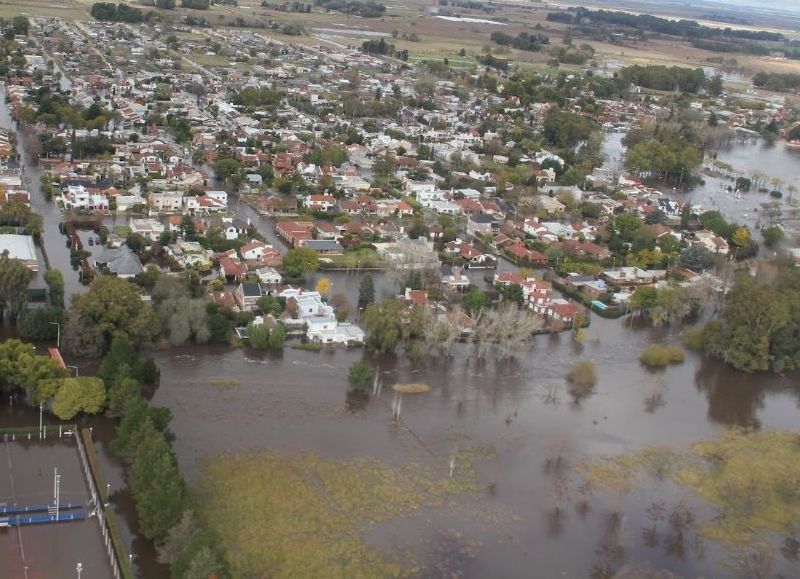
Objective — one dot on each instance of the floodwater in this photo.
(227, 400)
(747, 155)
(54, 241)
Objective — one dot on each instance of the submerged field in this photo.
(303, 515)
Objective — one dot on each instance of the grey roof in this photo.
(323, 245)
(121, 261)
(18, 246)
(251, 290)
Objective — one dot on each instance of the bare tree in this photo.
(507, 328)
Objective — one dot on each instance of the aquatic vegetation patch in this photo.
(304, 515)
(416, 388)
(751, 478)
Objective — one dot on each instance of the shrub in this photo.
(694, 338)
(582, 378)
(360, 376)
(657, 356)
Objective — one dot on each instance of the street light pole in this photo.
(58, 334)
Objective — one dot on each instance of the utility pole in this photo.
(58, 334)
(41, 417)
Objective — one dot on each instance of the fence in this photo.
(33, 432)
(121, 563)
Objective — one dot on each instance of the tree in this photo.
(300, 261)
(383, 324)
(20, 367)
(122, 393)
(156, 484)
(324, 286)
(696, 258)
(112, 307)
(366, 292)
(513, 293)
(643, 299)
(384, 167)
(38, 324)
(565, 129)
(773, 236)
(136, 242)
(277, 337)
(183, 317)
(258, 334)
(55, 285)
(475, 301)
(14, 281)
(360, 376)
(85, 394)
(271, 305)
(226, 167)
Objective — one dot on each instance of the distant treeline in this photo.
(522, 41)
(121, 12)
(659, 77)
(469, 5)
(777, 82)
(383, 48)
(367, 9)
(196, 4)
(645, 22)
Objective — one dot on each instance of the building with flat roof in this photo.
(21, 248)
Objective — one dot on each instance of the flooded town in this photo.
(354, 290)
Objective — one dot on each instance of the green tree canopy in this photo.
(112, 307)
(300, 261)
(85, 394)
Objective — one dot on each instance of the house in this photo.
(550, 205)
(294, 233)
(587, 285)
(120, 261)
(225, 299)
(712, 242)
(20, 248)
(232, 269)
(327, 330)
(482, 224)
(247, 296)
(563, 311)
(233, 228)
(148, 228)
(268, 276)
(521, 254)
(471, 254)
(632, 277)
(165, 202)
(326, 231)
(455, 280)
(320, 202)
(323, 246)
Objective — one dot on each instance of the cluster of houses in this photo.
(282, 154)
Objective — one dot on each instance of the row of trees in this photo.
(143, 441)
(531, 42)
(110, 12)
(689, 29)
(778, 82)
(667, 78)
(421, 332)
(368, 9)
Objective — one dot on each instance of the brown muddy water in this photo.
(236, 401)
